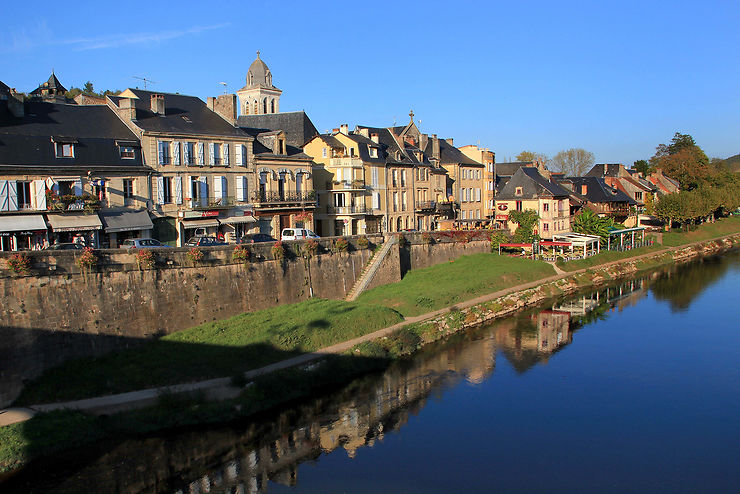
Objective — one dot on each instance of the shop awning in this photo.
(22, 223)
(74, 222)
(126, 221)
(238, 219)
(199, 223)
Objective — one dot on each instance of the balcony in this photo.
(201, 203)
(352, 161)
(426, 206)
(346, 185)
(87, 203)
(267, 199)
(347, 210)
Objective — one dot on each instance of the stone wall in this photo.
(56, 314)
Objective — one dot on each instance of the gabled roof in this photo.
(390, 146)
(449, 154)
(597, 190)
(27, 141)
(606, 170)
(182, 115)
(533, 186)
(299, 129)
(52, 83)
(510, 168)
(261, 148)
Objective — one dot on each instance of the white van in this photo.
(297, 234)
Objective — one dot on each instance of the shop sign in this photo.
(10, 234)
(502, 216)
(209, 214)
(199, 214)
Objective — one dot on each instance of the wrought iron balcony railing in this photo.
(348, 210)
(270, 197)
(211, 202)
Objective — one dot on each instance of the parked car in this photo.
(253, 238)
(65, 246)
(142, 243)
(203, 242)
(297, 234)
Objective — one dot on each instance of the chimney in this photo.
(584, 189)
(435, 146)
(449, 141)
(375, 138)
(344, 128)
(225, 106)
(158, 104)
(127, 109)
(15, 105)
(335, 131)
(364, 132)
(423, 140)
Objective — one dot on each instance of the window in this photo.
(395, 202)
(403, 201)
(99, 189)
(23, 189)
(339, 200)
(216, 153)
(518, 205)
(167, 190)
(638, 196)
(189, 153)
(394, 175)
(128, 188)
(545, 227)
(545, 207)
(65, 150)
(403, 178)
(519, 191)
(374, 176)
(127, 152)
(352, 152)
(323, 152)
(163, 151)
(373, 152)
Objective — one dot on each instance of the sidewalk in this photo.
(221, 388)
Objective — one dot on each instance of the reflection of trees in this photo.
(681, 286)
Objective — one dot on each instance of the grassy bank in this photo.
(444, 285)
(606, 257)
(217, 349)
(724, 226)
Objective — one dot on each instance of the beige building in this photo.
(488, 159)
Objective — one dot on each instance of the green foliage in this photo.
(531, 156)
(499, 237)
(684, 161)
(363, 242)
(310, 248)
(527, 221)
(144, 259)
(195, 255)
(278, 251)
(20, 264)
(642, 166)
(590, 223)
(711, 198)
(240, 254)
(341, 245)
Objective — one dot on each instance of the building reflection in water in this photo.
(243, 460)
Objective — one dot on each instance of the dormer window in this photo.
(127, 152)
(373, 152)
(519, 191)
(64, 150)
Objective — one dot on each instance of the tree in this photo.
(531, 156)
(590, 223)
(88, 88)
(573, 162)
(526, 220)
(642, 166)
(684, 161)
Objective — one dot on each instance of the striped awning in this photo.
(200, 223)
(74, 222)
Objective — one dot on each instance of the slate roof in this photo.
(391, 146)
(597, 191)
(299, 129)
(604, 170)
(533, 186)
(509, 169)
(260, 150)
(27, 141)
(449, 154)
(199, 120)
(363, 151)
(51, 83)
(4, 89)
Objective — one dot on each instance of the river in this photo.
(632, 388)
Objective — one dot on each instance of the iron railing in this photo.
(348, 210)
(268, 197)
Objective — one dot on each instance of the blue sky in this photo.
(615, 78)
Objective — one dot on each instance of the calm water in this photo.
(635, 388)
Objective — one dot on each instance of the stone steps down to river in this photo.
(369, 272)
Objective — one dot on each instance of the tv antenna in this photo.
(146, 81)
(224, 85)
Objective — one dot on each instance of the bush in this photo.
(363, 242)
(341, 245)
(278, 251)
(497, 238)
(240, 254)
(20, 264)
(195, 255)
(87, 260)
(144, 259)
(310, 248)
(403, 342)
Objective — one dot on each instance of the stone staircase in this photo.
(369, 272)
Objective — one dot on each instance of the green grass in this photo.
(606, 257)
(444, 285)
(216, 349)
(724, 226)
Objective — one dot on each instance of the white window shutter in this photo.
(160, 190)
(218, 191)
(239, 187)
(40, 194)
(201, 154)
(176, 152)
(239, 150)
(226, 154)
(178, 190)
(77, 187)
(212, 154)
(186, 152)
(376, 200)
(203, 188)
(4, 195)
